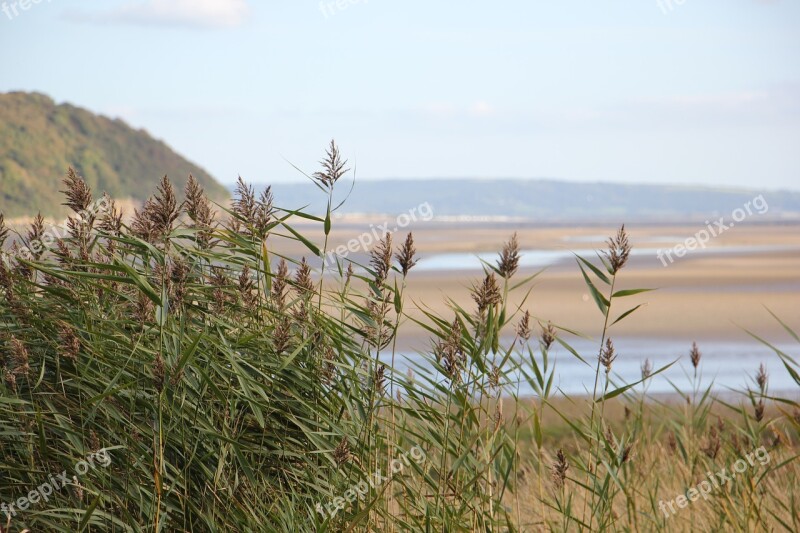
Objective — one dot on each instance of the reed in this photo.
(235, 388)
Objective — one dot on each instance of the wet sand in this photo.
(708, 294)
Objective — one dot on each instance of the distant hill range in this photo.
(39, 140)
(544, 200)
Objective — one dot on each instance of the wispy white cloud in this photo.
(203, 14)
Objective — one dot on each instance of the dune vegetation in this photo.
(176, 372)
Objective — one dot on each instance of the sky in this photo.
(651, 91)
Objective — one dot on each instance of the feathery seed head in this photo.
(487, 293)
(524, 326)
(3, 232)
(302, 279)
(406, 255)
(560, 467)
(647, 369)
(695, 355)
(279, 285)
(618, 250)
(509, 258)
(762, 378)
(333, 168)
(79, 195)
(381, 259)
(549, 335)
(608, 355)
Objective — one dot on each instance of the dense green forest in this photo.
(39, 140)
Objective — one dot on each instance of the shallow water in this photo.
(725, 366)
(541, 258)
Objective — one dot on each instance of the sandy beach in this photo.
(708, 294)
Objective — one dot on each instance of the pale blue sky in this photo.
(706, 92)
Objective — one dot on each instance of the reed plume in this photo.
(279, 285)
(608, 355)
(486, 294)
(559, 470)
(406, 256)
(695, 355)
(79, 195)
(303, 283)
(333, 167)
(381, 259)
(549, 335)
(619, 250)
(199, 210)
(508, 262)
(159, 213)
(524, 326)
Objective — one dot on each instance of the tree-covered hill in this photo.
(39, 140)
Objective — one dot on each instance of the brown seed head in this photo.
(647, 369)
(672, 442)
(608, 355)
(762, 378)
(178, 276)
(279, 285)
(70, 344)
(159, 213)
(712, 443)
(549, 335)
(449, 352)
(244, 203)
(379, 379)
(381, 259)
(342, 453)
(302, 279)
(79, 195)
(509, 258)
(281, 335)
(487, 293)
(159, 373)
(219, 281)
(524, 326)
(348, 275)
(333, 168)
(33, 239)
(20, 359)
(247, 289)
(759, 410)
(199, 210)
(263, 214)
(618, 250)
(405, 256)
(111, 219)
(559, 471)
(695, 355)
(494, 377)
(3, 232)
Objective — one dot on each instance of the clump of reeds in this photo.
(239, 389)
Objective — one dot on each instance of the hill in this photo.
(39, 140)
(545, 199)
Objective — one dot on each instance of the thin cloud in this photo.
(200, 14)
